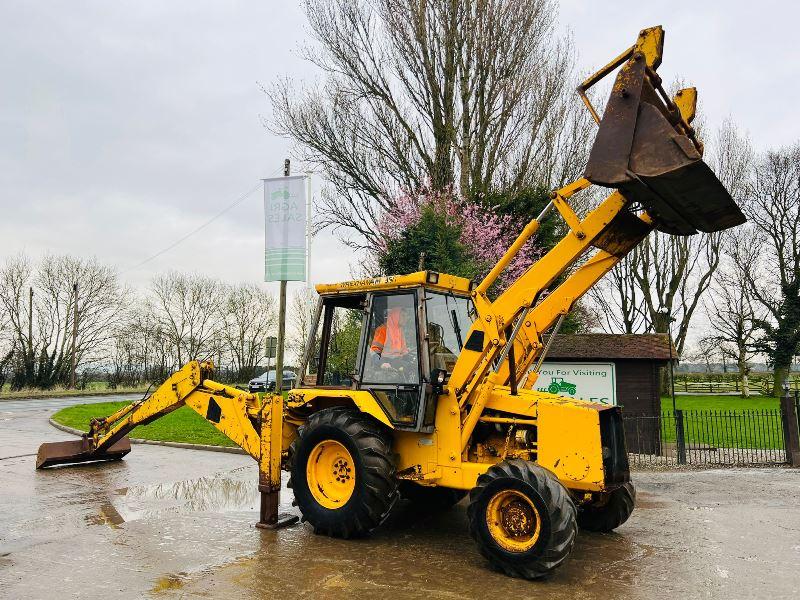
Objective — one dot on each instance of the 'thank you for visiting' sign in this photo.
(286, 228)
(590, 381)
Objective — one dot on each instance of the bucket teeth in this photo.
(79, 451)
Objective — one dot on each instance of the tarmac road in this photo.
(171, 523)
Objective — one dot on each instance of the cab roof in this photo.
(428, 279)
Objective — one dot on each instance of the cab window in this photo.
(449, 322)
(391, 361)
(391, 352)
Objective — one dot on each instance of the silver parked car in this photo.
(266, 381)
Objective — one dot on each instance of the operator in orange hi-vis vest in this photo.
(389, 341)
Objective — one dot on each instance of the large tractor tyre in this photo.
(522, 518)
(428, 498)
(611, 513)
(342, 473)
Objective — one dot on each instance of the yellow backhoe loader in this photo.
(441, 403)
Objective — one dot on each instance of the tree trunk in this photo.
(742, 365)
(780, 375)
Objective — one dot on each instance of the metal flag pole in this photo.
(268, 514)
(281, 315)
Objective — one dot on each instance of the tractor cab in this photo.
(395, 338)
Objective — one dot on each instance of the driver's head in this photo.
(397, 316)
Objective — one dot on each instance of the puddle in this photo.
(206, 494)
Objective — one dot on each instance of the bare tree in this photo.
(619, 303)
(664, 279)
(249, 318)
(15, 285)
(733, 322)
(438, 95)
(301, 315)
(188, 309)
(40, 304)
(770, 260)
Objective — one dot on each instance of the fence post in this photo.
(791, 436)
(680, 440)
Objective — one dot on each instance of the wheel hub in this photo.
(330, 474)
(517, 518)
(513, 520)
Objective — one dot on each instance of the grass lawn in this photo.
(732, 426)
(182, 425)
(720, 403)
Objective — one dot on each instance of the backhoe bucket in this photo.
(645, 148)
(79, 451)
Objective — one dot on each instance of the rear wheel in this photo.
(612, 512)
(430, 498)
(522, 519)
(342, 474)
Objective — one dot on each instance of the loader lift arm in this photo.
(253, 424)
(646, 150)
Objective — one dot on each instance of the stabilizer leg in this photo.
(269, 466)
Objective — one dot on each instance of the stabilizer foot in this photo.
(269, 518)
(283, 520)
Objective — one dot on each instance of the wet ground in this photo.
(170, 523)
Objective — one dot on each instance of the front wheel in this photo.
(342, 474)
(611, 512)
(522, 519)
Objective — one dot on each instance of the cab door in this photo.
(390, 357)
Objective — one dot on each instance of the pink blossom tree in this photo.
(485, 232)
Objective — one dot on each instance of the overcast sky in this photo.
(126, 125)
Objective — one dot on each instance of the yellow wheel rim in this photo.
(330, 473)
(514, 523)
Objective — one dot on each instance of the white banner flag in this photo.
(286, 228)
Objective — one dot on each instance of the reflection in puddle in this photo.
(107, 515)
(168, 582)
(206, 494)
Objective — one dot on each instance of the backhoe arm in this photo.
(234, 412)
(255, 424)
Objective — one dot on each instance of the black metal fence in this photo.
(709, 437)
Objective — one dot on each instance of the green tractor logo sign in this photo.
(557, 384)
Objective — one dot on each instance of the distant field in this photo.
(720, 383)
(99, 388)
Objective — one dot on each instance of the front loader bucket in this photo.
(79, 451)
(642, 149)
